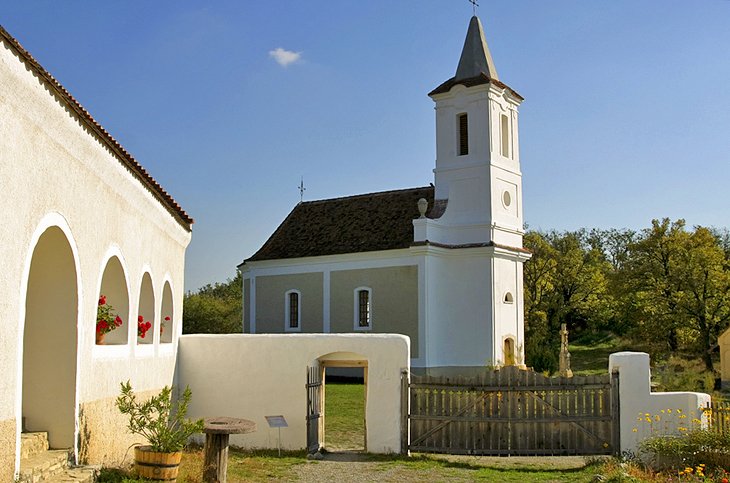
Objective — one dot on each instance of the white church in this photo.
(441, 264)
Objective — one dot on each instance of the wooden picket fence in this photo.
(718, 415)
(512, 412)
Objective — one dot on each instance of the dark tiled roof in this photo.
(99, 132)
(471, 82)
(362, 223)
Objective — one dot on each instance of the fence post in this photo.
(404, 410)
(616, 411)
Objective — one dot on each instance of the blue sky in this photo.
(626, 117)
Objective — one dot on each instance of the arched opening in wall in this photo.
(344, 425)
(115, 296)
(146, 312)
(50, 340)
(167, 317)
(509, 351)
(508, 299)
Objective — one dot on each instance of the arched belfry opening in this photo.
(50, 340)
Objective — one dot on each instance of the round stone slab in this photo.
(226, 425)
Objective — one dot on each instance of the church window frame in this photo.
(505, 136)
(363, 308)
(462, 123)
(293, 311)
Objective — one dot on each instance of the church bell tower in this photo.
(477, 149)
(472, 240)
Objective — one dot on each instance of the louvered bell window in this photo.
(463, 135)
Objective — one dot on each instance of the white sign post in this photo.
(277, 422)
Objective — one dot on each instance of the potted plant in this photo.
(106, 319)
(163, 424)
(142, 327)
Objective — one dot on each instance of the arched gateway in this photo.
(50, 335)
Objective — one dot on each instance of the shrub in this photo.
(158, 420)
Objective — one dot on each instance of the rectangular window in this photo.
(293, 310)
(505, 136)
(364, 308)
(463, 135)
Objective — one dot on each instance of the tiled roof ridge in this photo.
(363, 195)
(102, 135)
(473, 81)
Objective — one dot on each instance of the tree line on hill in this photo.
(665, 289)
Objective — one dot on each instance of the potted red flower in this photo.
(142, 327)
(106, 320)
(164, 324)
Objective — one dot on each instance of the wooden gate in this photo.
(314, 408)
(514, 412)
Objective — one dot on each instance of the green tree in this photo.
(565, 282)
(214, 309)
(681, 284)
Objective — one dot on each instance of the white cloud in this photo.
(284, 57)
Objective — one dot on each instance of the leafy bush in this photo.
(158, 420)
(696, 447)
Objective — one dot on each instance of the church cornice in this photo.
(481, 79)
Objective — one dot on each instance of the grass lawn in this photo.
(589, 356)
(344, 416)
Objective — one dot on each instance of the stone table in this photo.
(217, 431)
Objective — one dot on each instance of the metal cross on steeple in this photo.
(474, 5)
(302, 189)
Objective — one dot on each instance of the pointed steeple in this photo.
(475, 56)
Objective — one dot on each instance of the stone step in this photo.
(43, 466)
(32, 444)
(81, 474)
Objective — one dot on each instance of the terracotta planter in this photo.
(100, 338)
(156, 466)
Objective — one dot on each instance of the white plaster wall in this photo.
(55, 173)
(637, 401)
(458, 308)
(252, 376)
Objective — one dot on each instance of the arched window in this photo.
(293, 311)
(363, 308)
(509, 351)
(146, 311)
(167, 317)
(113, 306)
(508, 299)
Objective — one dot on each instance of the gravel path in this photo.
(357, 468)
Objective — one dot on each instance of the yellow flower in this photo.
(662, 411)
(669, 411)
(634, 430)
(647, 414)
(657, 418)
(679, 411)
(648, 419)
